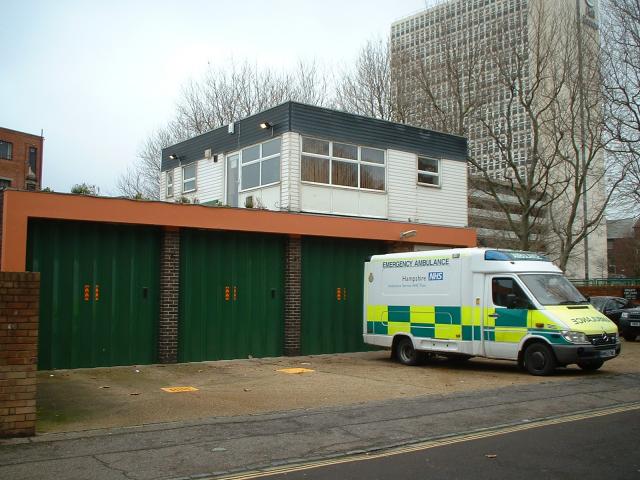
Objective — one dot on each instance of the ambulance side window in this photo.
(507, 293)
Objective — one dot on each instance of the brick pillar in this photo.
(169, 296)
(19, 304)
(399, 247)
(292, 296)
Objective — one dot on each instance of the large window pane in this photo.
(427, 165)
(189, 178)
(315, 169)
(344, 173)
(428, 179)
(250, 175)
(372, 155)
(270, 170)
(372, 177)
(312, 145)
(270, 148)
(344, 150)
(250, 154)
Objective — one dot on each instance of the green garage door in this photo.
(231, 295)
(332, 294)
(99, 296)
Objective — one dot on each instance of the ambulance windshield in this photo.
(552, 289)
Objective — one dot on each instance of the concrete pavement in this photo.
(197, 449)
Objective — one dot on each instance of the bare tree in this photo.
(366, 88)
(621, 67)
(219, 97)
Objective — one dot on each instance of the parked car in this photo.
(612, 307)
(629, 325)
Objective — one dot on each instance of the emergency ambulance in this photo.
(468, 302)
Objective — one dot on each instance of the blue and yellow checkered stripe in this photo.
(457, 323)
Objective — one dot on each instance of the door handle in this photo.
(493, 315)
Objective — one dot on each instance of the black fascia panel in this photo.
(321, 123)
(246, 132)
(349, 128)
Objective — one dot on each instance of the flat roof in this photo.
(18, 207)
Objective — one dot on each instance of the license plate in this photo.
(608, 353)
(634, 324)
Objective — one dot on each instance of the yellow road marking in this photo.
(295, 370)
(179, 389)
(485, 433)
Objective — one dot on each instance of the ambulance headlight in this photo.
(575, 337)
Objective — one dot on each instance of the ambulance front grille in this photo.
(602, 339)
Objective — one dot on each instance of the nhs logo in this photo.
(436, 275)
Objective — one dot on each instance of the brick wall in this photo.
(292, 296)
(609, 291)
(19, 302)
(169, 297)
(1, 214)
(16, 168)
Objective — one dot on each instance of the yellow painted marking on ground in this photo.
(433, 443)
(179, 389)
(295, 370)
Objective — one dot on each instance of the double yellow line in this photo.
(491, 432)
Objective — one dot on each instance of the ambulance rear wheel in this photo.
(406, 354)
(591, 365)
(539, 359)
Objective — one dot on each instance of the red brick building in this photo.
(623, 244)
(20, 160)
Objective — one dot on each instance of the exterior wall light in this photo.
(265, 125)
(408, 233)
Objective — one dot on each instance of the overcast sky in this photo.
(98, 76)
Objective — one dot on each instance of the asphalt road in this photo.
(598, 448)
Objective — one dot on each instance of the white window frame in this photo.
(170, 184)
(194, 178)
(357, 161)
(260, 159)
(431, 174)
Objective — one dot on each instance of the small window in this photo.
(33, 158)
(6, 150)
(4, 183)
(428, 171)
(189, 178)
(170, 183)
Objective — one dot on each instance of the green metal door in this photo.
(231, 295)
(332, 286)
(99, 293)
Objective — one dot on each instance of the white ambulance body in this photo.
(482, 302)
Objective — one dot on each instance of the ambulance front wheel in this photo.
(539, 359)
(406, 354)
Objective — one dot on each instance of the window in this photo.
(189, 178)
(33, 158)
(428, 171)
(260, 164)
(170, 183)
(4, 183)
(507, 293)
(6, 150)
(342, 164)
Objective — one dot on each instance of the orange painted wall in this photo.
(19, 206)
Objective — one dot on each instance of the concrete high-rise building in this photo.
(518, 79)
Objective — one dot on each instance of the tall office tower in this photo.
(519, 79)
